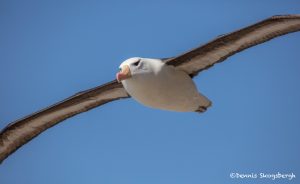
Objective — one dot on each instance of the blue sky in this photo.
(50, 50)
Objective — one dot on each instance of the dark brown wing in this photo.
(21, 131)
(221, 48)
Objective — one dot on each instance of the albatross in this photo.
(158, 83)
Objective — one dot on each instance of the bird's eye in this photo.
(120, 69)
(136, 63)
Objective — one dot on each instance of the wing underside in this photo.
(21, 131)
(221, 48)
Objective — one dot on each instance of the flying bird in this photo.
(159, 83)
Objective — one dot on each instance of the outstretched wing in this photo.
(221, 48)
(21, 131)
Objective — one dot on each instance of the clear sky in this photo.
(50, 50)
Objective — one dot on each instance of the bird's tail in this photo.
(204, 103)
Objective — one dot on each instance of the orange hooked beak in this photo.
(124, 73)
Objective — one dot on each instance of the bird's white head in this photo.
(134, 67)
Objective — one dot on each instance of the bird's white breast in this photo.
(164, 88)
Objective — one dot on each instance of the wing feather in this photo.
(222, 47)
(21, 131)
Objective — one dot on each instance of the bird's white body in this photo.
(164, 87)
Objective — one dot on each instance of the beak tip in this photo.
(123, 74)
(117, 77)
